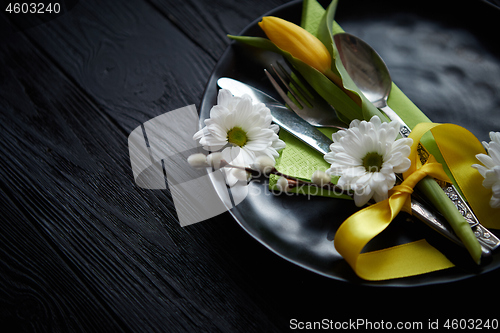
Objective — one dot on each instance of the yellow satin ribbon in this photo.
(458, 147)
(400, 261)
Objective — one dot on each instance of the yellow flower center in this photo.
(373, 162)
(237, 136)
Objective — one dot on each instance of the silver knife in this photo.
(310, 135)
(282, 116)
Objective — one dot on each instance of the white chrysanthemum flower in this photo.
(242, 129)
(366, 156)
(490, 169)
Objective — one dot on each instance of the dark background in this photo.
(82, 249)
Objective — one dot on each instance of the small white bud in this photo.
(198, 161)
(215, 160)
(282, 184)
(241, 175)
(320, 178)
(264, 163)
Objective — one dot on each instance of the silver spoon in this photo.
(369, 72)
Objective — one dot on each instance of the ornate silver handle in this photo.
(427, 216)
(483, 235)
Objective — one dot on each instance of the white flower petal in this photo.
(495, 136)
(257, 146)
(347, 160)
(218, 111)
(278, 144)
(494, 152)
(486, 160)
(216, 131)
(481, 168)
(260, 134)
(495, 202)
(224, 98)
(201, 133)
(361, 197)
(392, 131)
(354, 123)
(403, 166)
(275, 128)
(382, 193)
(230, 153)
(403, 146)
(247, 156)
(354, 172)
(365, 179)
(245, 107)
(375, 120)
(352, 147)
(394, 159)
(496, 189)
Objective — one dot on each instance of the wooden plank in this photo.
(50, 181)
(132, 61)
(207, 23)
(116, 254)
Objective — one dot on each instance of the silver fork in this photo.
(316, 110)
(308, 104)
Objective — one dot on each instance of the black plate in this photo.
(440, 60)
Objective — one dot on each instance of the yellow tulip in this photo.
(304, 46)
(298, 42)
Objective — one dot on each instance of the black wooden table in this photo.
(83, 249)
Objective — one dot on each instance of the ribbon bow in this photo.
(400, 261)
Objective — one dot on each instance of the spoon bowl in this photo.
(365, 67)
(370, 74)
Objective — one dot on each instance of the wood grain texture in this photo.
(207, 23)
(127, 56)
(66, 177)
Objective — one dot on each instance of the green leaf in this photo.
(431, 189)
(258, 42)
(325, 28)
(334, 95)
